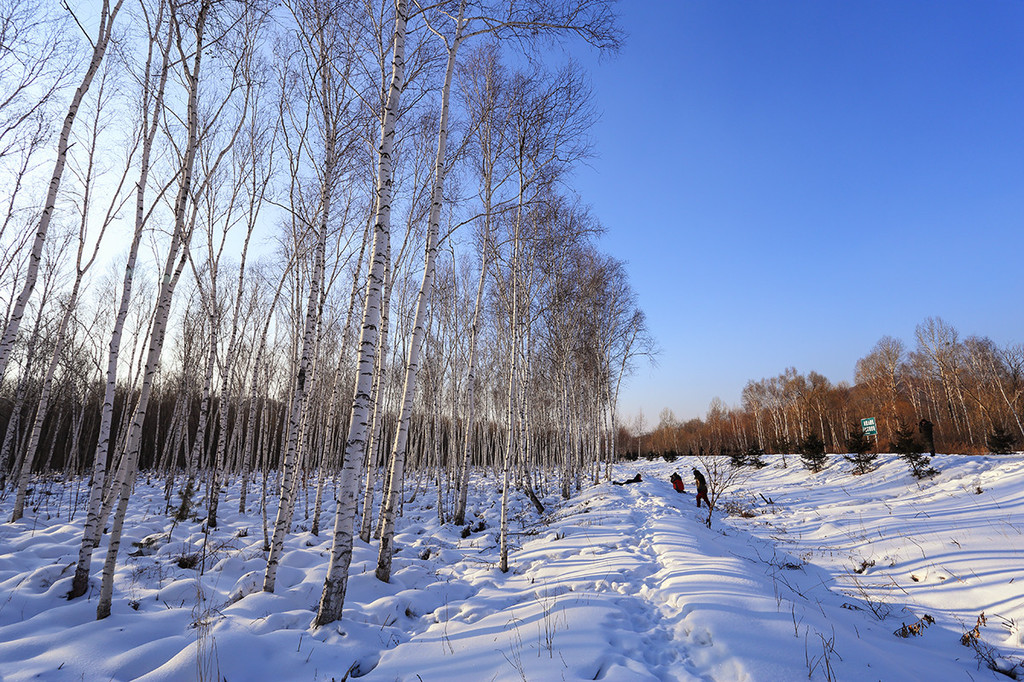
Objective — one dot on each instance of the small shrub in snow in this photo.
(185, 507)
(915, 629)
(859, 445)
(1000, 441)
(469, 529)
(910, 451)
(880, 609)
(812, 452)
(738, 459)
(920, 465)
(975, 632)
(734, 508)
(720, 477)
(987, 654)
(187, 561)
(149, 544)
(754, 456)
(828, 650)
(781, 446)
(904, 442)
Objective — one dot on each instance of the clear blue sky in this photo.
(791, 180)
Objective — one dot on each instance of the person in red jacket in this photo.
(702, 487)
(677, 482)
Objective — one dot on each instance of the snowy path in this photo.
(583, 602)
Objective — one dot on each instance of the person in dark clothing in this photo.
(677, 482)
(928, 432)
(635, 479)
(702, 487)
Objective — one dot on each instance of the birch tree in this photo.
(191, 43)
(398, 454)
(333, 596)
(99, 43)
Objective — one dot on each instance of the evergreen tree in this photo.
(812, 452)
(782, 445)
(754, 456)
(859, 446)
(906, 446)
(737, 458)
(1000, 441)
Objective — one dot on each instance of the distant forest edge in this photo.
(971, 391)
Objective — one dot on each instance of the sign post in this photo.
(868, 426)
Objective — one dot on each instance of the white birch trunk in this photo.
(511, 447)
(398, 454)
(255, 203)
(81, 268)
(376, 425)
(370, 456)
(266, 432)
(377, 405)
(515, 344)
(198, 444)
(333, 597)
(126, 471)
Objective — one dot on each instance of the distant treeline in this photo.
(970, 390)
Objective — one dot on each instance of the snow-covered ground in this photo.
(808, 576)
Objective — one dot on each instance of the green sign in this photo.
(868, 425)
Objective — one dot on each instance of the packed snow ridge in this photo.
(826, 576)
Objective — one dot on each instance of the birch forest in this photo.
(311, 248)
